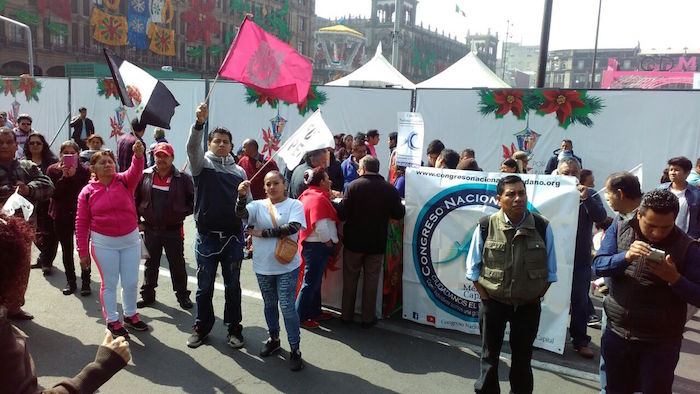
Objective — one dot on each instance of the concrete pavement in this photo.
(394, 356)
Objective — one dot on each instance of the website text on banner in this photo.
(443, 208)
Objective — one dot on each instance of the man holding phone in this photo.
(654, 269)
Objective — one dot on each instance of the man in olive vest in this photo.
(512, 263)
(646, 306)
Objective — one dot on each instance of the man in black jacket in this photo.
(82, 128)
(367, 205)
(164, 197)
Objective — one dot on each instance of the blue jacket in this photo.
(692, 195)
(216, 181)
(349, 168)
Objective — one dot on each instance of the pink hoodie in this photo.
(110, 210)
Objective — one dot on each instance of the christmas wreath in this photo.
(570, 106)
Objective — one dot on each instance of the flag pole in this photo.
(263, 166)
(211, 89)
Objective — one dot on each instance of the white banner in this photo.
(312, 135)
(409, 148)
(443, 208)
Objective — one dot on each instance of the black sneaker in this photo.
(144, 302)
(135, 323)
(85, 289)
(235, 339)
(295, 361)
(69, 289)
(184, 302)
(196, 339)
(271, 346)
(594, 321)
(117, 330)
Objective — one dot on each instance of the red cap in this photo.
(164, 147)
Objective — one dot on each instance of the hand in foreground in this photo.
(138, 149)
(583, 191)
(118, 345)
(85, 263)
(67, 171)
(666, 270)
(202, 113)
(23, 189)
(637, 250)
(243, 188)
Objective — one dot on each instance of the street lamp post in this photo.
(544, 42)
(29, 41)
(395, 34)
(505, 49)
(595, 48)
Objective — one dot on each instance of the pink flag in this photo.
(267, 64)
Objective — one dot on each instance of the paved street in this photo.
(394, 356)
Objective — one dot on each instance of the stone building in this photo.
(192, 38)
(423, 50)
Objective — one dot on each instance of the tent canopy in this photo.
(377, 72)
(468, 72)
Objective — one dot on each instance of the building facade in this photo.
(190, 37)
(423, 50)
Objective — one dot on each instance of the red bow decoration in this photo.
(262, 99)
(302, 106)
(26, 84)
(111, 88)
(9, 87)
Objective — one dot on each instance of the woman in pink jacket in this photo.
(107, 217)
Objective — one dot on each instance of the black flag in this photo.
(153, 102)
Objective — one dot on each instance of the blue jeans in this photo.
(638, 366)
(309, 300)
(210, 250)
(579, 306)
(280, 289)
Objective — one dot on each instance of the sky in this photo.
(623, 23)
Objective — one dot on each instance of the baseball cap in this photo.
(164, 147)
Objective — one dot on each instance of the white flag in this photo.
(312, 135)
(638, 172)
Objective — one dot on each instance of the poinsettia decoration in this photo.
(25, 83)
(107, 88)
(570, 106)
(272, 142)
(201, 22)
(314, 99)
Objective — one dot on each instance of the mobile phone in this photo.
(657, 255)
(70, 160)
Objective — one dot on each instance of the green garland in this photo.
(27, 18)
(195, 52)
(3, 3)
(58, 29)
(215, 50)
(314, 99)
(580, 110)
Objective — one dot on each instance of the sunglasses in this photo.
(35, 143)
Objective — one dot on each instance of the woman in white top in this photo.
(317, 241)
(277, 281)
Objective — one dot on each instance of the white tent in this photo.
(377, 72)
(468, 72)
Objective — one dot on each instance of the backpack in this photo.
(540, 225)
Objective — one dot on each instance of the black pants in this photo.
(173, 243)
(45, 238)
(64, 227)
(524, 322)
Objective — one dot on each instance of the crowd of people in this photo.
(123, 207)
